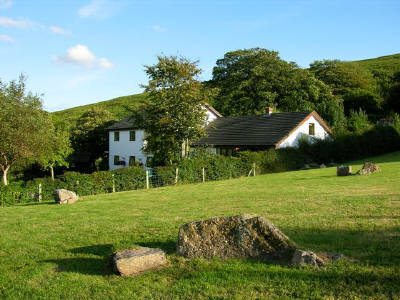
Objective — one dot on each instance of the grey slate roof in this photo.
(130, 122)
(265, 130)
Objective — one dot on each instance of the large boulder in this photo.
(65, 196)
(343, 170)
(234, 237)
(369, 168)
(136, 261)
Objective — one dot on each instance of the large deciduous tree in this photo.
(89, 136)
(250, 80)
(174, 114)
(24, 126)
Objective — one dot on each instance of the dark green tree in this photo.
(89, 137)
(174, 115)
(250, 80)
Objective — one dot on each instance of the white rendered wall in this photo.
(125, 148)
(302, 131)
(210, 116)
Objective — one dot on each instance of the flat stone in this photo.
(65, 196)
(234, 237)
(131, 262)
(301, 257)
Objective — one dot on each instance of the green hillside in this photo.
(388, 63)
(120, 107)
(123, 106)
(51, 251)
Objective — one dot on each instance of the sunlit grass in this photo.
(51, 251)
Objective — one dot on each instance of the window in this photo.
(116, 136)
(311, 129)
(132, 160)
(132, 135)
(116, 160)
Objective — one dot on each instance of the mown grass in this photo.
(51, 251)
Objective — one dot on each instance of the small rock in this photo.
(369, 168)
(343, 170)
(234, 237)
(136, 261)
(301, 257)
(65, 196)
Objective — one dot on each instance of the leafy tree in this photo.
(354, 84)
(250, 80)
(174, 114)
(58, 149)
(89, 137)
(358, 122)
(393, 94)
(24, 130)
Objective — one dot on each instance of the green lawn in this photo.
(52, 251)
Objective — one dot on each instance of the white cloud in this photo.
(6, 39)
(16, 23)
(59, 31)
(82, 56)
(100, 9)
(4, 4)
(158, 28)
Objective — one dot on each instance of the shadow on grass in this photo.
(169, 247)
(372, 247)
(37, 203)
(100, 265)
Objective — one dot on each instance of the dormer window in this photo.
(311, 129)
(116, 136)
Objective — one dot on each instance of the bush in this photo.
(163, 176)
(81, 184)
(48, 187)
(130, 178)
(15, 193)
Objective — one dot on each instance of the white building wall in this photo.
(302, 131)
(125, 148)
(210, 116)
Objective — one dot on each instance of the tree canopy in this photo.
(89, 137)
(24, 130)
(252, 79)
(174, 114)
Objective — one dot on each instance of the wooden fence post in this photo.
(40, 192)
(176, 175)
(113, 183)
(204, 175)
(147, 180)
(254, 169)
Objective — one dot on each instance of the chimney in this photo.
(269, 110)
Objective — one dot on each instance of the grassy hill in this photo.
(52, 251)
(120, 107)
(388, 63)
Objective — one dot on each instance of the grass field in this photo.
(51, 251)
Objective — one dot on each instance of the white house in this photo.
(126, 141)
(273, 130)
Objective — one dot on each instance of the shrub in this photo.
(82, 184)
(130, 178)
(15, 193)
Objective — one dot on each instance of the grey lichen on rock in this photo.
(234, 237)
(369, 168)
(132, 262)
(301, 257)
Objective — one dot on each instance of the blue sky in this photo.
(78, 52)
